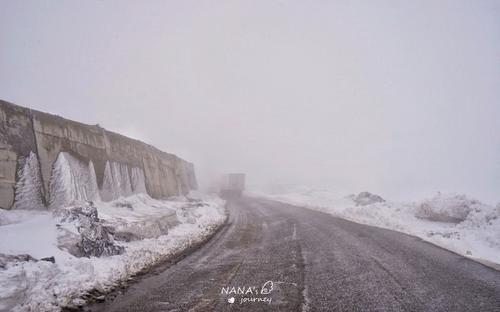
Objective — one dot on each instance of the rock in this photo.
(450, 208)
(351, 196)
(6, 259)
(101, 298)
(92, 239)
(126, 236)
(78, 302)
(123, 204)
(367, 198)
(49, 259)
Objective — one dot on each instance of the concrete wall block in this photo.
(23, 130)
(8, 163)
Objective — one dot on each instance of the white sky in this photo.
(401, 98)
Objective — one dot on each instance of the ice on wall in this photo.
(119, 181)
(138, 181)
(28, 194)
(72, 180)
(116, 181)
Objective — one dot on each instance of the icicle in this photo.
(117, 181)
(138, 181)
(28, 193)
(72, 180)
(92, 183)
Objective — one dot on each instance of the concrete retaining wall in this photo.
(23, 130)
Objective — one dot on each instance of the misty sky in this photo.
(401, 98)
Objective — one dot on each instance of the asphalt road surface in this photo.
(315, 262)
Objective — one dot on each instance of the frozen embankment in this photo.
(95, 246)
(455, 222)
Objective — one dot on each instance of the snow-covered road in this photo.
(276, 257)
(453, 221)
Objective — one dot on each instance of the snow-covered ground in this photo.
(453, 221)
(157, 229)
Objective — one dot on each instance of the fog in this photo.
(400, 98)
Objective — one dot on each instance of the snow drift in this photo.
(28, 284)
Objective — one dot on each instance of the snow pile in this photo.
(140, 216)
(453, 221)
(29, 285)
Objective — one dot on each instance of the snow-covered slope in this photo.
(46, 286)
(453, 221)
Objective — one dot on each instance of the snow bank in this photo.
(46, 286)
(453, 221)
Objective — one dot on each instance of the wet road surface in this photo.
(314, 262)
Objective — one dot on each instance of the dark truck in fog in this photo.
(232, 185)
